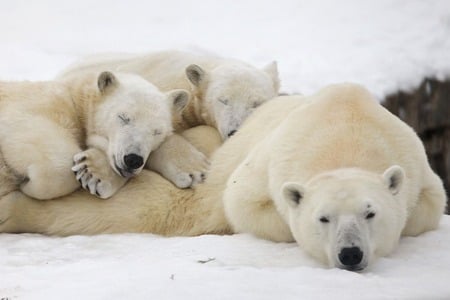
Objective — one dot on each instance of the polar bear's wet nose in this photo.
(351, 257)
(133, 161)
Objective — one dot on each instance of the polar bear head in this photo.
(230, 92)
(134, 117)
(348, 217)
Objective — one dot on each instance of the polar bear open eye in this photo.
(223, 101)
(124, 119)
(370, 215)
(157, 132)
(324, 220)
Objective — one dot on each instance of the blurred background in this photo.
(398, 49)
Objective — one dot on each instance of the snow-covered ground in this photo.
(385, 45)
(132, 266)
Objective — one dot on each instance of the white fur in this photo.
(343, 156)
(45, 125)
(333, 171)
(137, 118)
(345, 198)
(241, 86)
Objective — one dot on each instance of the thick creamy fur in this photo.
(224, 91)
(45, 124)
(297, 162)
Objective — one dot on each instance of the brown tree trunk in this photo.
(427, 110)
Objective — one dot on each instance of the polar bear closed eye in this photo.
(224, 91)
(46, 124)
(231, 92)
(132, 120)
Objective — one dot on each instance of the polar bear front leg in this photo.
(248, 205)
(179, 161)
(430, 207)
(93, 171)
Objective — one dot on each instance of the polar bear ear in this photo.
(292, 193)
(195, 74)
(179, 99)
(393, 178)
(272, 70)
(105, 81)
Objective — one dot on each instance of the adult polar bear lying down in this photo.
(335, 172)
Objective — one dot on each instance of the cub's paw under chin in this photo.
(93, 171)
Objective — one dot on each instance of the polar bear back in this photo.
(344, 127)
(165, 69)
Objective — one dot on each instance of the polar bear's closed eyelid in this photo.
(157, 132)
(124, 119)
(257, 104)
(224, 101)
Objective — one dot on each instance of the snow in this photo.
(144, 266)
(385, 45)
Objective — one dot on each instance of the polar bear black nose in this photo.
(133, 161)
(351, 257)
(231, 132)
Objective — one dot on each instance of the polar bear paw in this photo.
(95, 175)
(190, 172)
(180, 162)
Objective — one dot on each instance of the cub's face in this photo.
(135, 118)
(346, 219)
(232, 92)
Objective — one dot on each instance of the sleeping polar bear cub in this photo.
(120, 118)
(224, 91)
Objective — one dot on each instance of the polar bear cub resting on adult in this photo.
(45, 125)
(224, 91)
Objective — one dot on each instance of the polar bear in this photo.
(224, 91)
(46, 124)
(335, 172)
